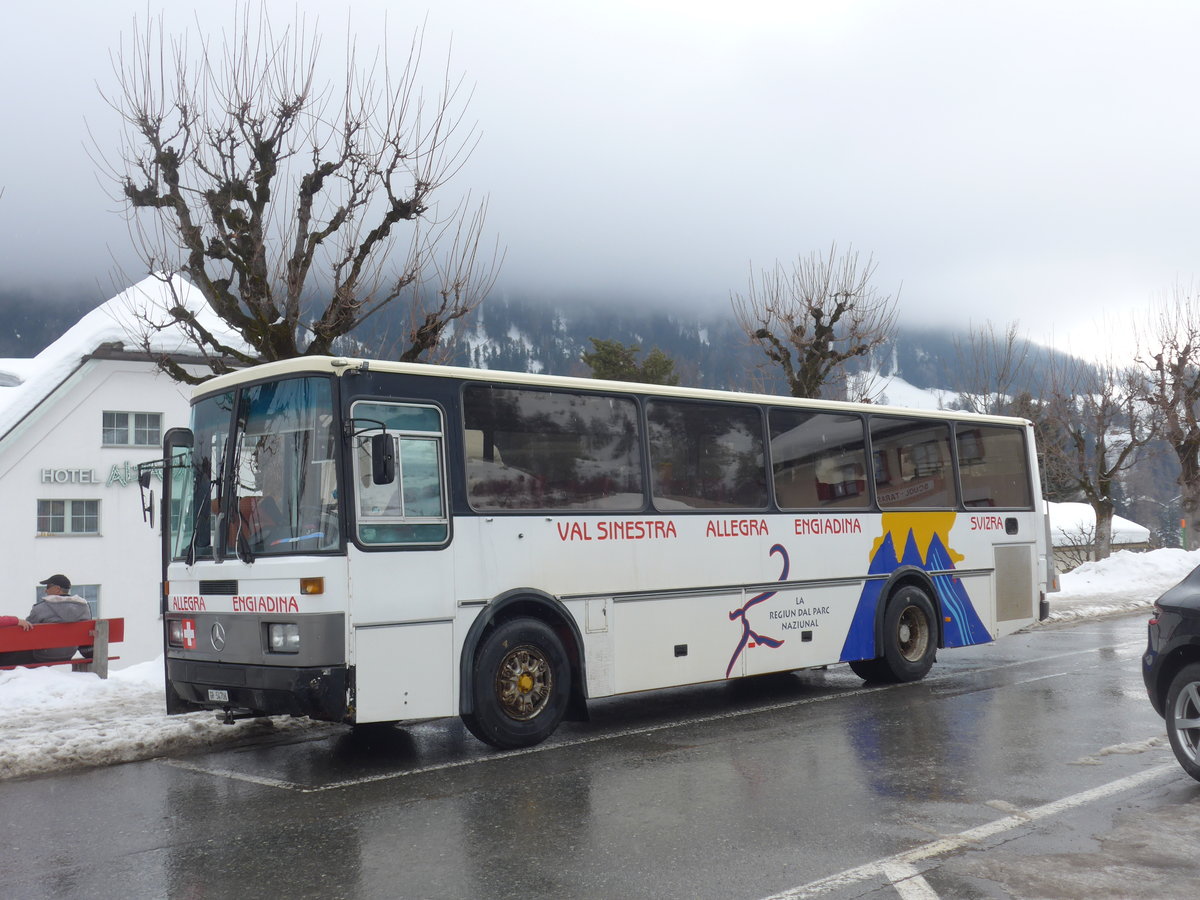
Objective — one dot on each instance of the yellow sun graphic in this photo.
(923, 525)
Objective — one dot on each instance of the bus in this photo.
(361, 541)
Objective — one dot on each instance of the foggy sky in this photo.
(1001, 160)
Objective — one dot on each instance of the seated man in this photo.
(58, 604)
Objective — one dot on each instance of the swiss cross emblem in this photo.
(189, 634)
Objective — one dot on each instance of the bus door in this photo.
(402, 575)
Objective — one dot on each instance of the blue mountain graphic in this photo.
(965, 627)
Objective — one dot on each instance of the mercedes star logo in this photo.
(218, 636)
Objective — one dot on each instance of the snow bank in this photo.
(55, 719)
(1125, 582)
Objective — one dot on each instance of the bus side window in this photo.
(818, 460)
(535, 449)
(918, 455)
(706, 456)
(411, 507)
(375, 499)
(993, 466)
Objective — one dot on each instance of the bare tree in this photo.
(1105, 424)
(989, 361)
(811, 320)
(1169, 350)
(1076, 546)
(279, 198)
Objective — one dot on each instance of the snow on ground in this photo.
(56, 720)
(1125, 582)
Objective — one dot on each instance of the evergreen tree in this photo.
(615, 361)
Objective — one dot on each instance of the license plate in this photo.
(216, 696)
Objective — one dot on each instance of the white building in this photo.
(74, 423)
(1073, 534)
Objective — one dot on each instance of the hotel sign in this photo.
(122, 474)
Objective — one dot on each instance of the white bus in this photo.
(362, 541)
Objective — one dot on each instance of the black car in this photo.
(1171, 668)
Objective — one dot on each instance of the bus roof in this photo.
(341, 365)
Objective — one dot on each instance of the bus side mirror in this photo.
(145, 470)
(383, 459)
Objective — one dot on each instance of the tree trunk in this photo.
(1103, 539)
(1189, 505)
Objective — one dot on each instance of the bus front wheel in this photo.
(909, 639)
(520, 685)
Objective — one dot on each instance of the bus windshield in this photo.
(195, 480)
(276, 492)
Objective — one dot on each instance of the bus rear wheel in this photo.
(520, 685)
(909, 639)
(909, 634)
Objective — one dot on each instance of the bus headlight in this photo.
(283, 637)
(175, 632)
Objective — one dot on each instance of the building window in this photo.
(131, 429)
(68, 517)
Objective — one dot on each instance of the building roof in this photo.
(1072, 524)
(117, 324)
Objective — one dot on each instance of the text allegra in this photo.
(736, 528)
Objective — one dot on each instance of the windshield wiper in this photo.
(190, 556)
(242, 544)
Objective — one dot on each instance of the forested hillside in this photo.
(540, 336)
(709, 348)
(29, 321)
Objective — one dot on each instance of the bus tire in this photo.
(909, 635)
(1182, 713)
(520, 684)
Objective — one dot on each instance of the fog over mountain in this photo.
(1016, 160)
(516, 332)
(31, 319)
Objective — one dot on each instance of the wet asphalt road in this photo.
(1026, 768)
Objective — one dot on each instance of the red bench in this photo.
(95, 633)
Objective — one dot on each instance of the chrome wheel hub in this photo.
(913, 634)
(524, 682)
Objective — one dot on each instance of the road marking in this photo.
(909, 883)
(231, 774)
(948, 677)
(904, 862)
